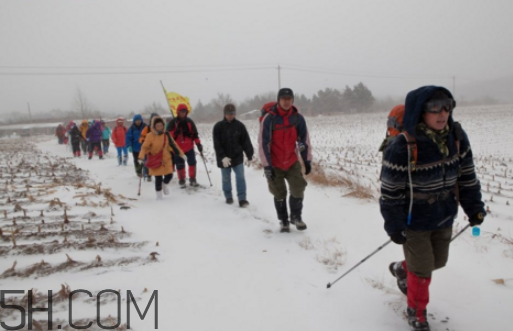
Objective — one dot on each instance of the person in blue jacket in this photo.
(420, 194)
(134, 146)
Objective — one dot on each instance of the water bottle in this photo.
(476, 231)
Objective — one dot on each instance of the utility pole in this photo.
(454, 86)
(279, 77)
(30, 115)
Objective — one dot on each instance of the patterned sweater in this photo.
(435, 176)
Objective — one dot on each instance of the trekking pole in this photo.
(461, 231)
(365, 259)
(139, 191)
(205, 163)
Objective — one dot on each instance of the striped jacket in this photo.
(440, 178)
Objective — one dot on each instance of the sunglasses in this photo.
(436, 106)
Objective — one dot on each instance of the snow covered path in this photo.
(226, 268)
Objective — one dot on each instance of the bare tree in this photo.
(221, 100)
(82, 105)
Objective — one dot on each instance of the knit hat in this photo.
(285, 92)
(439, 95)
(229, 109)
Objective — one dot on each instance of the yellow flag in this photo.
(174, 99)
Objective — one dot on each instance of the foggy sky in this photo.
(391, 46)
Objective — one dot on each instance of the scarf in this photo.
(438, 137)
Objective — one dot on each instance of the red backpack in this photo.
(270, 108)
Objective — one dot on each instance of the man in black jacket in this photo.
(231, 139)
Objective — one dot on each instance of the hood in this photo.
(97, 125)
(84, 122)
(137, 117)
(153, 119)
(415, 100)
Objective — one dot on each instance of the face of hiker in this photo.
(182, 113)
(436, 121)
(159, 127)
(286, 102)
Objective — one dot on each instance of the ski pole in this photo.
(140, 180)
(365, 259)
(205, 163)
(462, 230)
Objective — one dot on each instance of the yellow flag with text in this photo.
(174, 99)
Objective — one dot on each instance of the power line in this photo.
(135, 67)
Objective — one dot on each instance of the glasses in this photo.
(436, 106)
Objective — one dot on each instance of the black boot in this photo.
(283, 215)
(296, 207)
(415, 322)
(397, 270)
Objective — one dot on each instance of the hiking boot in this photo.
(417, 323)
(159, 195)
(125, 160)
(181, 182)
(243, 203)
(165, 189)
(298, 222)
(193, 182)
(397, 270)
(149, 179)
(229, 201)
(284, 226)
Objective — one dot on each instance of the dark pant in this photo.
(84, 145)
(76, 147)
(294, 178)
(97, 147)
(159, 179)
(426, 251)
(191, 160)
(106, 143)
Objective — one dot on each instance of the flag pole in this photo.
(167, 100)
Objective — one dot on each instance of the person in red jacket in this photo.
(284, 135)
(184, 132)
(119, 140)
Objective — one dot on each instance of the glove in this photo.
(269, 173)
(399, 238)
(130, 149)
(87, 139)
(184, 157)
(200, 148)
(477, 219)
(226, 162)
(308, 168)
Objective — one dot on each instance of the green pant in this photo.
(294, 178)
(426, 251)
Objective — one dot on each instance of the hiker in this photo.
(144, 132)
(231, 139)
(184, 132)
(75, 137)
(84, 126)
(426, 170)
(119, 140)
(94, 136)
(132, 141)
(59, 133)
(283, 131)
(158, 145)
(106, 134)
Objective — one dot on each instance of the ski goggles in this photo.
(436, 106)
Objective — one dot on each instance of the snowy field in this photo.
(71, 224)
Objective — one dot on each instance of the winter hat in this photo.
(285, 92)
(119, 119)
(181, 107)
(439, 95)
(229, 109)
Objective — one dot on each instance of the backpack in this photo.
(270, 108)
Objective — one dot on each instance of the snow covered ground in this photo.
(220, 267)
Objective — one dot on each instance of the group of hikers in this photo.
(427, 171)
(88, 137)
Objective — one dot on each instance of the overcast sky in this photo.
(201, 47)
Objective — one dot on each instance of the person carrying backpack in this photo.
(94, 136)
(231, 139)
(157, 146)
(118, 138)
(75, 137)
(184, 132)
(142, 137)
(132, 141)
(283, 133)
(426, 170)
(84, 126)
(106, 134)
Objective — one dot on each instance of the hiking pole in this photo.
(140, 180)
(205, 163)
(461, 231)
(365, 259)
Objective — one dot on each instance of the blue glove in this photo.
(130, 149)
